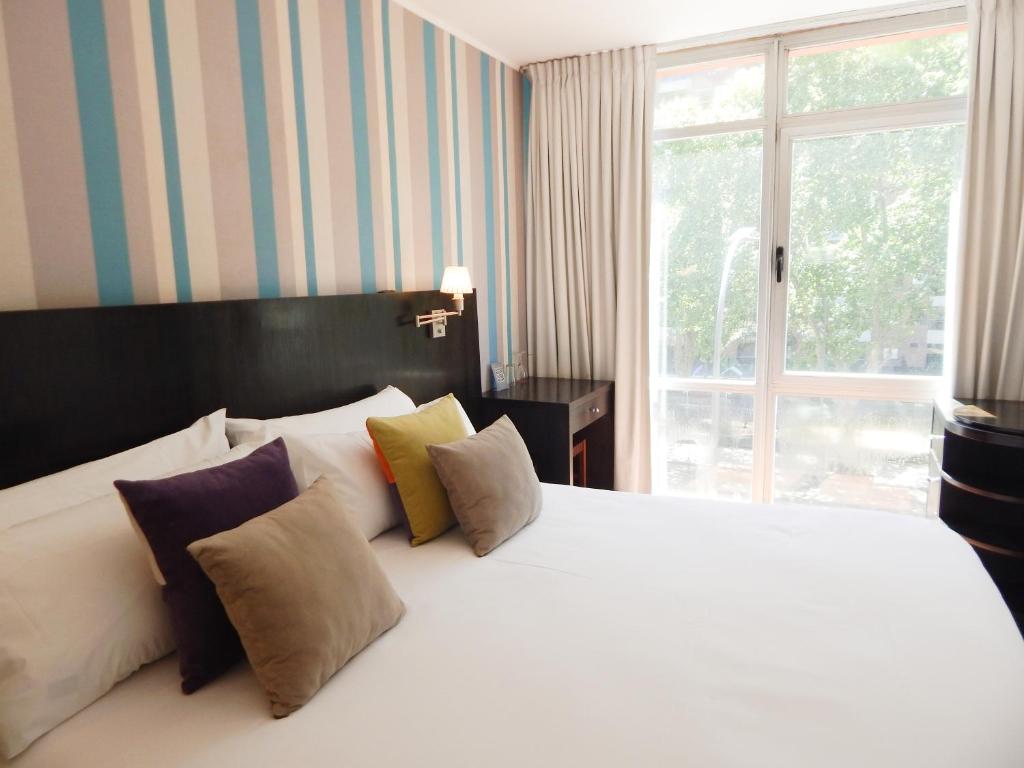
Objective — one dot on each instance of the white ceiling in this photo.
(524, 31)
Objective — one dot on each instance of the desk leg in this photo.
(580, 449)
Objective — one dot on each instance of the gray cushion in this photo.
(303, 589)
(491, 483)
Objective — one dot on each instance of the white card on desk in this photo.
(972, 412)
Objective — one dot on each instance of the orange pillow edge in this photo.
(384, 465)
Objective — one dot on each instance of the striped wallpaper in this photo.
(188, 150)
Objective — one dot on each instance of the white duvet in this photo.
(621, 630)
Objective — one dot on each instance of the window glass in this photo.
(710, 92)
(911, 66)
(872, 219)
(707, 217)
(704, 443)
(855, 453)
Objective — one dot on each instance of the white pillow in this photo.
(203, 440)
(390, 401)
(470, 430)
(350, 463)
(79, 611)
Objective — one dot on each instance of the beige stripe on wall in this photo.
(153, 152)
(50, 146)
(383, 208)
(194, 154)
(376, 126)
(17, 290)
(469, 201)
(444, 147)
(415, 106)
(467, 65)
(338, 112)
(319, 156)
(290, 186)
(451, 130)
(131, 149)
(403, 149)
(276, 108)
(229, 156)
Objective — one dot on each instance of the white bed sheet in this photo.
(621, 630)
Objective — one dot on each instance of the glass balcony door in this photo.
(708, 290)
(865, 220)
(805, 201)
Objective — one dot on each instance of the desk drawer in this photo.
(586, 412)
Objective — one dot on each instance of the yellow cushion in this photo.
(403, 441)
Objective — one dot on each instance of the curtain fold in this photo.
(990, 329)
(588, 234)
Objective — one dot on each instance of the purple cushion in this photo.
(175, 511)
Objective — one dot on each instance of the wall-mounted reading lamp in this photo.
(456, 282)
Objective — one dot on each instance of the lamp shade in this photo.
(456, 281)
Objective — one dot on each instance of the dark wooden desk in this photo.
(980, 467)
(567, 424)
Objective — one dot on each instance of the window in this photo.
(710, 92)
(869, 221)
(806, 193)
(714, 247)
(916, 65)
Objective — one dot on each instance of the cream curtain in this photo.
(588, 234)
(990, 333)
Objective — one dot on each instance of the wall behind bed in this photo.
(188, 150)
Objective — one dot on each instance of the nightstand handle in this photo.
(595, 410)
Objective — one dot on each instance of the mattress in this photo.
(624, 630)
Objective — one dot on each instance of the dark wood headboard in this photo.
(78, 384)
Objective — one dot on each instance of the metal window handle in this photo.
(779, 259)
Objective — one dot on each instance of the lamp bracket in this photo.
(437, 319)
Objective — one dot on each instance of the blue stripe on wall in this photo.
(99, 146)
(508, 259)
(396, 231)
(455, 149)
(261, 184)
(172, 168)
(360, 142)
(492, 308)
(527, 103)
(303, 142)
(433, 150)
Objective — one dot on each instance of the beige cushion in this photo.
(304, 591)
(491, 484)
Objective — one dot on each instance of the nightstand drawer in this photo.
(589, 410)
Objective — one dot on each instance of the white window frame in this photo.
(779, 129)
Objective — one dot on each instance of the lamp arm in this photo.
(435, 316)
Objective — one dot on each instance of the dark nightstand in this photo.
(568, 425)
(977, 467)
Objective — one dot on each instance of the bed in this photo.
(627, 630)
(618, 630)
